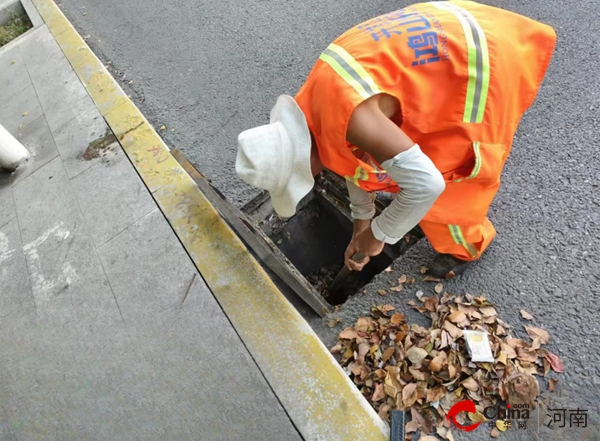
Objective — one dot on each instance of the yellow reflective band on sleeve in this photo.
(478, 62)
(359, 175)
(459, 239)
(350, 70)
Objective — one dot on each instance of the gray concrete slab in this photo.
(17, 306)
(37, 138)
(20, 109)
(68, 281)
(74, 138)
(13, 72)
(124, 385)
(7, 202)
(149, 271)
(60, 92)
(39, 46)
(111, 196)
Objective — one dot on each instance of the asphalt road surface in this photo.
(208, 70)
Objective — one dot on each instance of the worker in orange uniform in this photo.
(422, 102)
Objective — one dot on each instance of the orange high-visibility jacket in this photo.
(464, 74)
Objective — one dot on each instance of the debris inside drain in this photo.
(399, 366)
(322, 278)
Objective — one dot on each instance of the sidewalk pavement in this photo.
(107, 330)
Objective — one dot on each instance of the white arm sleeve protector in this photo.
(420, 185)
(362, 203)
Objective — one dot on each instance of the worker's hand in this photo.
(367, 244)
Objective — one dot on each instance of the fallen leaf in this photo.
(471, 384)
(534, 332)
(431, 279)
(163, 128)
(348, 334)
(536, 344)
(397, 318)
(431, 303)
(437, 362)
(495, 433)
(387, 354)
(423, 269)
(552, 384)
(555, 362)
(439, 288)
(417, 374)
(130, 82)
(416, 355)
(488, 311)
(454, 331)
(502, 358)
(547, 366)
(477, 417)
(379, 393)
(384, 411)
(388, 269)
(525, 355)
(403, 278)
(396, 288)
(457, 317)
(386, 308)
(412, 426)
(500, 331)
(381, 292)
(337, 348)
(526, 315)
(503, 425)
(333, 322)
(516, 343)
(451, 371)
(25, 113)
(363, 349)
(13, 61)
(445, 433)
(409, 394)
(435, 394)
(362, 324)
(523, 388)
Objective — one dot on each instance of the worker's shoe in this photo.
(446, 266)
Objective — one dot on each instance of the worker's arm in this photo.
(372, 131)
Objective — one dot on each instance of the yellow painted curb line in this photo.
(315, 391)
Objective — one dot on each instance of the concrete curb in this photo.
(317, 394)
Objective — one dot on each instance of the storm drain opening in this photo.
(314, 240)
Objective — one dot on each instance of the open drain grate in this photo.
(306, 251)
(315, 239)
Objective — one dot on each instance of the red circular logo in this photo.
(462, 406)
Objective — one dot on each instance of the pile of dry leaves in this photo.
(398, 366)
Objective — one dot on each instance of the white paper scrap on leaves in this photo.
(478, 346)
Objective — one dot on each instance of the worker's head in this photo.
(277, 156)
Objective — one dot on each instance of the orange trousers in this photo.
(464, 243)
